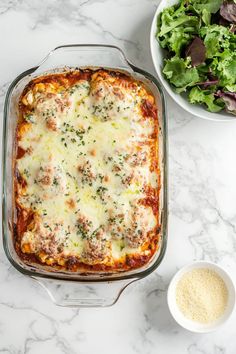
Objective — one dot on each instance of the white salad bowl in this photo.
(158, 55)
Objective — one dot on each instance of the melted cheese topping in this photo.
(88, 171)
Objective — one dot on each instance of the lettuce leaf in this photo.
(180, 73)
(206, 17)
(227, 69)
(169, 23)
(196, 50)
(228, 11)
(229, 98)
(215, 37)
(231, 88)
(196, 95)
(211, 6)
(178, 40)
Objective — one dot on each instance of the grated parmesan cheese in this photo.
(201, 295)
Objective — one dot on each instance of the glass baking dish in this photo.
(74, 289)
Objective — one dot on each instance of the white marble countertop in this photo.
(202, 191)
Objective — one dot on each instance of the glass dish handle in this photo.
(83, 294)
(84, 55)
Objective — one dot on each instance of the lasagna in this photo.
(86, 172)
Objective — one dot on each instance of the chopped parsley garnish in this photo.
(101, 191)
(30, 118)
(26, 173)
(55, 181)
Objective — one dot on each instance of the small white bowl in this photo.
(192, 325)
(158, 55)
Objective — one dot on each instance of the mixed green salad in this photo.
(200, 39)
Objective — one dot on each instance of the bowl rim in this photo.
(188, 324)
(203, 114)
